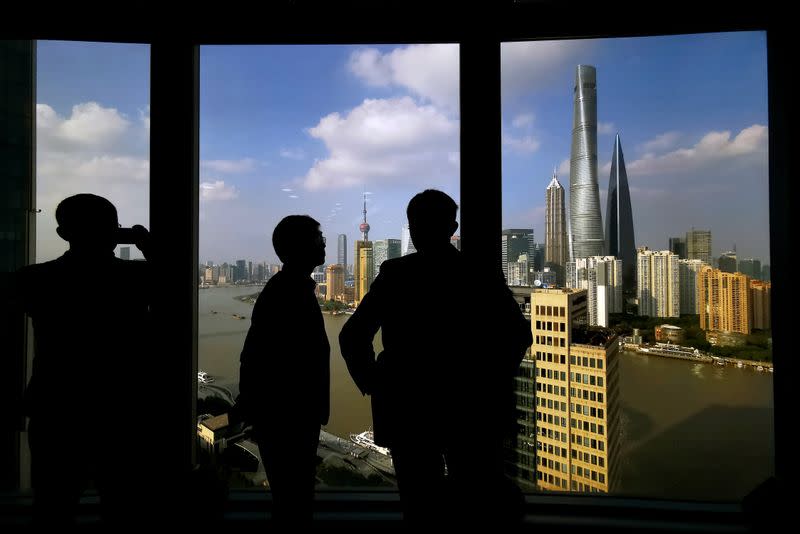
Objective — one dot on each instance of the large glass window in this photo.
(635, 174)
(92, 136)
(347, 135)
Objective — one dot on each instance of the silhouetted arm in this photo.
(357, 334)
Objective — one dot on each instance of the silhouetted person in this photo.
(284, 379)
(90, 314)
(442, 389)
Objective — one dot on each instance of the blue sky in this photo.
(308, 129)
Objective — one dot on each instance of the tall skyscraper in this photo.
(765, 273)
(513, 242)
(724, 301)
(363, 273)
(620, 242)
(727, 262)
(341, 250)
(334, 280)
(751, 267)
(241, 271)
(658, 283)
(761, 301)
(567, 399)
(586, 224)
(677, 245)
(406, 245)
(384, 249)
(689, 271)
(601, 277)
(556, 253)
(124, 253)
(698, 245)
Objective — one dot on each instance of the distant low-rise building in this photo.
(667, 333)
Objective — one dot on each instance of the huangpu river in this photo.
(689, 430)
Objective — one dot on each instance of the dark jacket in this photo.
(453, 340)
(284, 378)
(91, 325)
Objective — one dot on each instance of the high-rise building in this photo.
(761, 299)
(406, 245)
(620, 242)
(241, 271)
(586, 224)
(751, 267)
(602, 278)
(334, 279)
(519, 272)
(677, 245)
(698, 245)
(513, 242)
(727, 262)
(658, 283)
(689, 271)
(567, 399)
(556, 253)
(124, 253)
(382, 250)
(724, 301)
(366, 270)
(341, 250)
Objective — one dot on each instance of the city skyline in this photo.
(692, 108)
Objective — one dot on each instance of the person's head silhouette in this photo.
(299, 243)
(88, 222)
(431, 219)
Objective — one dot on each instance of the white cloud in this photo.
(287, 189)
(523, 119)
(430, 71)
(229, 166)
(392, 141)
(94, 150)
(604, 128)
(713, 148)
(293, 196)
(217, 190)
(292, 153)
(532, 65)
(563, 167)
(144, 116)
(524, 145)
(661, 142)
(90, 126)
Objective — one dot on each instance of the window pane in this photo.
(92, 136)
(667, 303)
(347, 135)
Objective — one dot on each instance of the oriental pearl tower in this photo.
(364, 226)
(363, 268)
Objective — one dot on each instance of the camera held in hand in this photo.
(131, 236)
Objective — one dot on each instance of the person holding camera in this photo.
(90, 315)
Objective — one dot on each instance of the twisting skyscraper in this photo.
(586, 225)
(556, 253)
(619, 219)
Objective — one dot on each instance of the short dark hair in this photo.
(84, 209)
(431, 206)
(292, 235)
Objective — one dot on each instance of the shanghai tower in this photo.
(619, 219)
(586, 225)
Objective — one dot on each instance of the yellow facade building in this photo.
(567, 399)
(725, 301)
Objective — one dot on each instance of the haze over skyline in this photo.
(309, 129)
